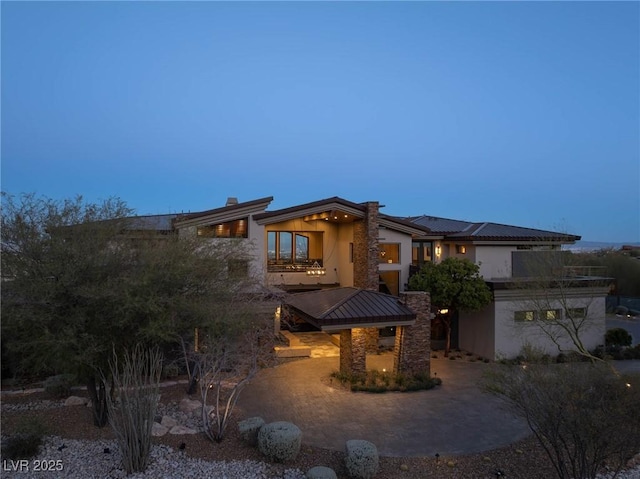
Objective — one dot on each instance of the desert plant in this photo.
(583, 414)
(618, 337)
(59, 386)
(379, 382)
(26, 441)
(133, 405)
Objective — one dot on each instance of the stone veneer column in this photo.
(365, 261)
(412, 351)
(353, 359)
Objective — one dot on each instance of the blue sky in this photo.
(510, 112)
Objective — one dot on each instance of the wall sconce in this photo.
(461, 249)
(438, 250)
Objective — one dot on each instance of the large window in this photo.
(228, 229)
(293, 251)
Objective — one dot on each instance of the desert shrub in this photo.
(618, 337)
(59, 386)
(584, 415)
(132, 408)
(280, 441)
(26, 441)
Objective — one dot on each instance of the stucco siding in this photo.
(512, 336)
(494, 261)
(477, 332)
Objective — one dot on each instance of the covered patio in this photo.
(358, 314)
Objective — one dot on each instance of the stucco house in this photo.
(335, 243)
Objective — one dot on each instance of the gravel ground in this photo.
(77, 449)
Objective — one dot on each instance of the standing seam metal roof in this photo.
(336, 306)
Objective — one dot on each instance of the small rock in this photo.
(404, 467)
(451, 464)
(189, 405)
(178, 430)
(519, 451)
(486, 459)
(168, 422)
(158, 429)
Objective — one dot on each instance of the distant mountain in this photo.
(597, 245)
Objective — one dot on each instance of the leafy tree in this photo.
(81, 280)
(454, 284)
(562, 300)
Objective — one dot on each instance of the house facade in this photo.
(334, 243)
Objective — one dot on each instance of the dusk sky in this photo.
(519, 113)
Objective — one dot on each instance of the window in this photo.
(389, 253)
(576, 313)
(229, 229)
(524, 316)
(292, 251)
(551, 314)
(421, 252)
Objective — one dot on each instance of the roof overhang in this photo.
(226, 213)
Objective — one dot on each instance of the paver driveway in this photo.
(455, 418)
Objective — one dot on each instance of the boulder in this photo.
(321, 472)
(361, 459)
(249, 428)
(280, 441)
(76, 401)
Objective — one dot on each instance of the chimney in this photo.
(232, 200)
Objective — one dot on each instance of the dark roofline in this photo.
(225, 209)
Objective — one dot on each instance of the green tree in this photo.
(455, 285)
(81, 280)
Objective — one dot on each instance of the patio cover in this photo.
(345, 308)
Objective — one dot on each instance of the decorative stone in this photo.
(321, 472)
(158, 429)
(361, 459)
(189, 405)
(168, 422)
(249, 428)
(404, 467)
(76, 401)
(179, 430)
(280, 441)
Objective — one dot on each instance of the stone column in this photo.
(353, 359)
(372, 335)
(412, 351)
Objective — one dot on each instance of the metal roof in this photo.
(151, 222)
(343, 308)
(456, 229)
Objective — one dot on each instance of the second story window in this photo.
(293, 251)
(228, 229)
(389, 253)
